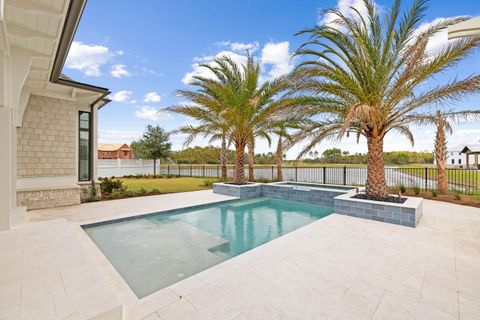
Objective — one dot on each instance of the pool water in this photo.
(155, 251)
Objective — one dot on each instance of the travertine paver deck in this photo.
(338, 267)
(46, 274)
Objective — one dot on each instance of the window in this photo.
(84, 146)
(125, 153)
(453, 161)
(459, 161)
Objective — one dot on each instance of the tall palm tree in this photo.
(207, 110)
(442, 121)
(235, 103)
(369, 74)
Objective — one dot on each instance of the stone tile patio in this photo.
(338, 267)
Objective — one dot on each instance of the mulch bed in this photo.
(391, 199)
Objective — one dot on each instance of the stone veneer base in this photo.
(405, 214)
(48, 198)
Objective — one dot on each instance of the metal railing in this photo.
(464, 180)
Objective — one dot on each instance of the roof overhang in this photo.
(41, 33)
(468, 28)
(471, 150)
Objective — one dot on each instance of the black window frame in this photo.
(90, 136)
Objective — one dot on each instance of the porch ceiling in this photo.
(34, 29)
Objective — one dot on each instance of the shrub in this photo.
(457, 194)
(91, 194)
(142, 191)
(111, 185)
(402, 188)
(434, 193)
(155, 190)
(416, 190)
(129, 193)
(209, 182)
(115, 195)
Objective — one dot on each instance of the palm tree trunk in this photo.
(239, 175)
(376, 185)
(251, 156)
(154, 166)
(223, 158)
(279, 159)
(441, 159)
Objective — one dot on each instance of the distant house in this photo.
(114, 151)
(463, 156)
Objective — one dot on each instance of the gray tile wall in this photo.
(378, 212)
(321, 197)
(242, 192)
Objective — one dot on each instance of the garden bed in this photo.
(136, 186)
(472, 200)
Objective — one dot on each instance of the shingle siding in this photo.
(46, 141)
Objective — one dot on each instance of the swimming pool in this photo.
(154, 251)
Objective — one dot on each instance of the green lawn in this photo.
(165, 185)
(467, 177)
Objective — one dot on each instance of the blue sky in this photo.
(144, 52)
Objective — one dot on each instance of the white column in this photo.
(13, 160)
(5, 167)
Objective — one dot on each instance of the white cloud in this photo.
(197, 70)
(153, 114)
(121, 96)
(87, 58)
(343, 6)
(119, 71)
(152, 97)
(275, 59)
(437, 42)
(239, 46)
(278, 57)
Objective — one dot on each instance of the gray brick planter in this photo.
(321, 194)
(246, 191)
(405, 214)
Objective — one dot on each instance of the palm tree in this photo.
(369, 75)
(235, 104)
(206, 109)
(442, 121)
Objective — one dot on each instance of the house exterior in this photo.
(114, 151)
(48, 122)
(457, 156)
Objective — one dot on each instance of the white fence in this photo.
(120, 168)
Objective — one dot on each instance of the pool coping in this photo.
(143, 215)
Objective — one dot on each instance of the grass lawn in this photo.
(165, 185)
